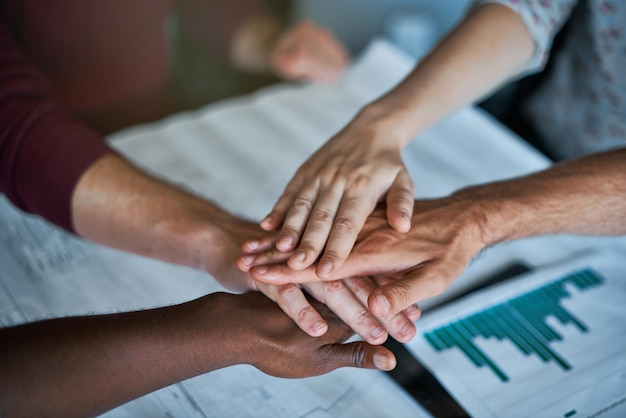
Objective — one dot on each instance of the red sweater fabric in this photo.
(62, 60)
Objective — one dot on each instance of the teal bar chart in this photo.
(520, 320)
(548, 343)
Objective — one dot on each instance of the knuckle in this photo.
(400, 294)
(304, 313)
(322, 215)
(303, 203)
(333, 286)
(332, 256)
(345, 223)
(362, 316)
(358, 354)
(287, 292)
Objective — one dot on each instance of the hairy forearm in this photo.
(117, 205)
(83, 366)
(583, 196)
(489, 47)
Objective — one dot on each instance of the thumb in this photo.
(400, 202)
(422, 283)
(358, 354)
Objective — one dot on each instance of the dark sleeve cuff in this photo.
(47, 156)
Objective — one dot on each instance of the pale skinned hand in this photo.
(418, 265)
(348, 300)
(325, 205)
(307, 52)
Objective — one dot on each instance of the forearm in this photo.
(489, 47)
(83, 366)
(117, 205)
(584, 196)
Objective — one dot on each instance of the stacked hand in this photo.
(346, 298)
(326, 203)
(410, 266)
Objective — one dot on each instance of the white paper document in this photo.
(551, 343)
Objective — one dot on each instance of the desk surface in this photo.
(241, 153)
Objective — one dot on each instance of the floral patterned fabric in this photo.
(580, 106)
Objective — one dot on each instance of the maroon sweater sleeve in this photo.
(214, 22)
(43, 149)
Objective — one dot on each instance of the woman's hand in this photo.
(325, 205)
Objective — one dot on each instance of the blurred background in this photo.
(413, 25)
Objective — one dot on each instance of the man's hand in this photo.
(416, 265)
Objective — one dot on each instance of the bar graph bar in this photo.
(520, 320)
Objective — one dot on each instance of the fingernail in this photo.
(383, 304)
(252, 245)
(286, 241)
(298, 256)
(247, 259)
(267, 219)
(383, 362)
(378, 332)
(407, 329)
(325, 267)
(319, 326)
(413, 312)
(261, 269)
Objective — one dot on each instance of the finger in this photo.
(264, 269)
(422, 283)
(269, 256)
(294, 303)
(296, 219)
(257, 245)
(356, 354)
(400, 199)
(278, 274)
(349, 221)
(277, 215)
(412, 312)
(398, 326)
(318, 228)
(339, 299)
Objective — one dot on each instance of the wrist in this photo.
(496, 212)
(382, 123)
(191, 234)
(219, 335)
